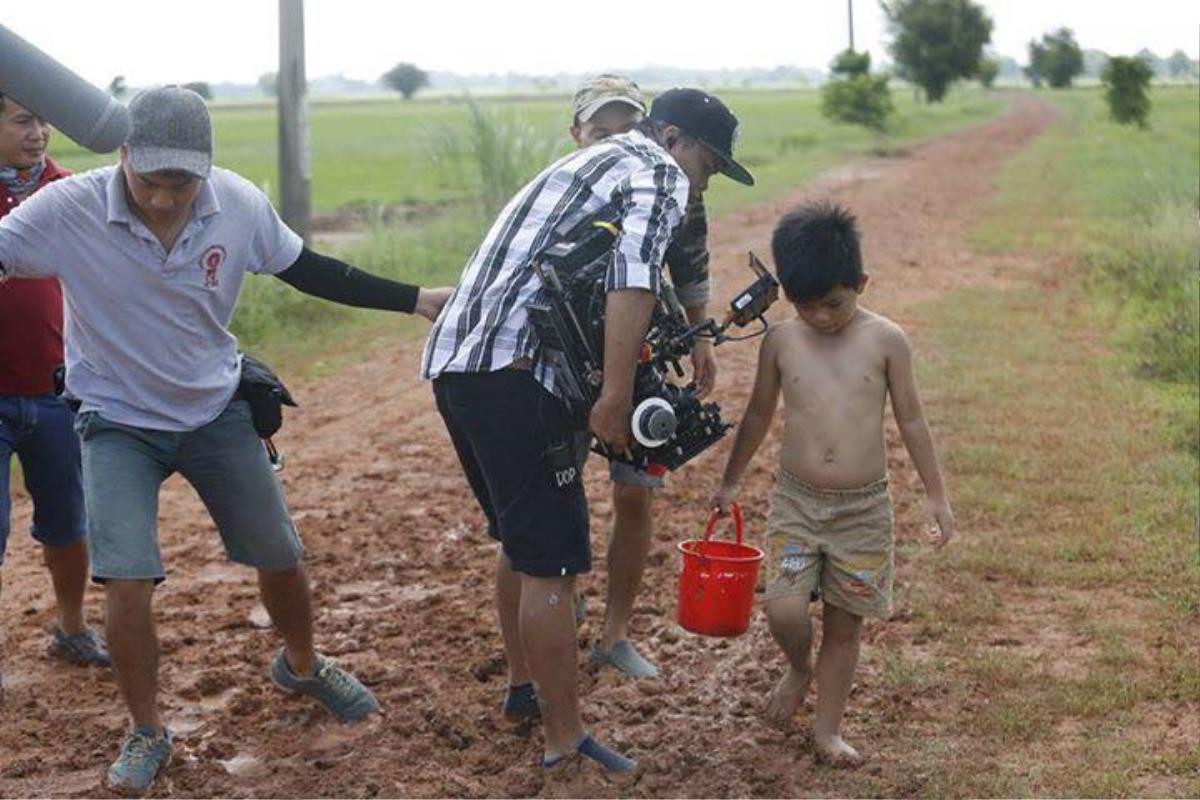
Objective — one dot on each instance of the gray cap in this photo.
(171, 130)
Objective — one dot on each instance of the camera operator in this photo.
(521, 455)
(606, 105)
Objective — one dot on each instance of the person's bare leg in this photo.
(835, 675)
(547, 628)
(133, 646)
(791, 627)
(286, 596)
(632, 530)
(68, 567)
(508, 604)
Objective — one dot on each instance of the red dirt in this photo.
(401, 570)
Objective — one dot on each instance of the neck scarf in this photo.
(22, 182)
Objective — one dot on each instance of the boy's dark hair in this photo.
(816, 249)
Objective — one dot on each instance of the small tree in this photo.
(116, 87)
(1125, 82)
(406, 79)
(988, 69)
(268, 84)
(201, 88)
(937, 41)
(856, 97)
(1057, 59)
(850, 64)
(1179, 66)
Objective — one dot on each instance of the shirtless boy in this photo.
(830, 526)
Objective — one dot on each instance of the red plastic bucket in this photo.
(716, 584)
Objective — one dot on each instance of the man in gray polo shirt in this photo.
(151, 255)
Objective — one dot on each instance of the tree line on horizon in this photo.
(935, 44)
(1176, 67)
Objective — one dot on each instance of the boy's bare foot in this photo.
(834, 752)
(785, 698)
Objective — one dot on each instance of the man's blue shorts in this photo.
(39, 431)
(224, 460)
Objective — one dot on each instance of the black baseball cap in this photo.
(708, 120)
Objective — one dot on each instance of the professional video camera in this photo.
(670, 426)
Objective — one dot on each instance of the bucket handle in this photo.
(716, 515)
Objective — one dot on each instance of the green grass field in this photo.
(383, 152)
(1124, 202)
(1071, 452)
(377, 155)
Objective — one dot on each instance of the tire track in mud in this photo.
(402, 576)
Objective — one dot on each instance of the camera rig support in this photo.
(670, 425)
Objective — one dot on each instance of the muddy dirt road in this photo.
(402, 573)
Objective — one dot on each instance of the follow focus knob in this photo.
(653, 422)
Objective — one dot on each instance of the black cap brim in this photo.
(729, 167)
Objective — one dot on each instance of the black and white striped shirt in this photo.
(485, 325)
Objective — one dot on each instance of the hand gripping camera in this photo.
(670, 426)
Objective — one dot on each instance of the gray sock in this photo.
(624, 657)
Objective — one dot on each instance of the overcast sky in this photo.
(163, 41)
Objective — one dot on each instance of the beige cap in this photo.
(600, 90)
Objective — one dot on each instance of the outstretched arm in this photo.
(760, 410)
(910, 418)
(331, 279)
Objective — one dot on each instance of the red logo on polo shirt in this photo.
(210, 262)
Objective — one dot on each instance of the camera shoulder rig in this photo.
(670, 425)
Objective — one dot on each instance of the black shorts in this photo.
(524, 462)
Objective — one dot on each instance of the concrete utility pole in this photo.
(295, 156)
(850, 14)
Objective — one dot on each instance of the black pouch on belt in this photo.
(59, 377)
(266, 394)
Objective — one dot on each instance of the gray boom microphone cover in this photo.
(56, 94)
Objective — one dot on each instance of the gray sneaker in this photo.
(337, 690)
(86, 648)
(144, 753)
(624, 657)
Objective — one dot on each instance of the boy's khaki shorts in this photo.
(835, 541)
